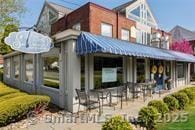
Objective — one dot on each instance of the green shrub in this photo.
(182, 99)
(189, 93)
(116, 123)
(161, 107)
(171, 102)
(15, 109)
(148, 117)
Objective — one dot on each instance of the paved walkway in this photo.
(62, 119)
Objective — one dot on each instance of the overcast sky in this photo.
(168, 13)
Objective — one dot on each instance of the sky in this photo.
(168, 13)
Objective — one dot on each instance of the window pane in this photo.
(7, 68)
(136, 11)
(125, 34)
(29, 70)
(51, 71)
(82, 72)
(148, 39)
(140, 70)
(16, 67)
(180, 70)
(111, 64)
(106, 30)
(77, 26)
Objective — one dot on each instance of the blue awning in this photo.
(90, 43)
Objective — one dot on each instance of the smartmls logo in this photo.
(29, 42)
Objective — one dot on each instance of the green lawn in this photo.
(181, 125)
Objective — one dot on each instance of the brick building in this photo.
(97, 48)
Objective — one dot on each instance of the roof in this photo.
(60, 8)
(90, 43)
(179, 33)
(119, 8)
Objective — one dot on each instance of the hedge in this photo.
(189, 93)
(17, 108)
(148, 117)
(182, 99)
(171, 102)
(161, 107)
(117, 123)
(11, 95)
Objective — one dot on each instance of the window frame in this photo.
(16, 59)
(179, 70)
(8, 68)
(108, 25)
(122, 32)
(77, 26)
(28, 57)
(54, 52)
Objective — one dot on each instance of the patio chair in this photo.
(119, 92)
(88, 100)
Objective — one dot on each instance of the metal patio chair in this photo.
(119, 92)
(88, 100)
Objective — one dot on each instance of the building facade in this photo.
(92, 41)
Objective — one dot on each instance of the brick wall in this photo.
(90, 17)
(80, 15)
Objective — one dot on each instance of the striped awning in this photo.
(90, 43)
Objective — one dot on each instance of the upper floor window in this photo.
(125, 34)
(106, 29)
(77, 26)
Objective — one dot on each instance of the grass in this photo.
(179, 124)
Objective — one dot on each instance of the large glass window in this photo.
(51, 71)
(168, 69)
(108, 72)
(7, 68)
(29, 70)
(125, 34)
(82, 72)
(140, 70)
(106, 29)
(16, 65)
(180, 70)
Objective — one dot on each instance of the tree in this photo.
(182, 46)
(10, 12)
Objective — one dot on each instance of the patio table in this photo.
(147, 87)
(106, 91)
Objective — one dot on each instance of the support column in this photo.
(173, 71)
(147, 69)
(129, 69)
(73, 76)
(62, 75)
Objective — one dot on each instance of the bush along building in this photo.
(95, 48)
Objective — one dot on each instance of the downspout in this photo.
(117, 22)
